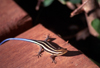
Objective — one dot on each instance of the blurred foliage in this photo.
(75, 1)
(95, 61)
(72, 1)
(99, 0)
(96, 25)
(63, 1)
(46, 3)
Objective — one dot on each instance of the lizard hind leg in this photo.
(53, 59)
(40, 52)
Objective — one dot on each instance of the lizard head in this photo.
(62, 51)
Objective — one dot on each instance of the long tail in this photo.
(22, 39)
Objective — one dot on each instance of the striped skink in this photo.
(44, 45)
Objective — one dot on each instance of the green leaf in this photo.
(46, 3)
(98, 0)
(95, 61)
(96, 25)
(63, 1)
(75, 1)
